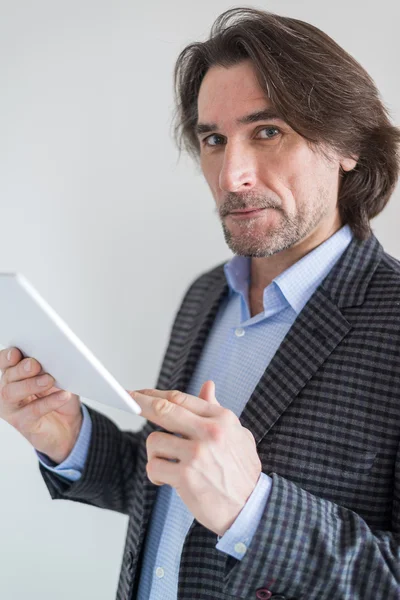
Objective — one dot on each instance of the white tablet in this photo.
(28, 323)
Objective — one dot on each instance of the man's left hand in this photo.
(217, 464)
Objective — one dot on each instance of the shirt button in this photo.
(239, 332)
(160, 572)
(240, 548)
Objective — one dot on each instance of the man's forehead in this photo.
(232, 94)
(239, 80)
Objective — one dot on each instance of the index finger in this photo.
(194, 404)
(10, 357)
(171, 416)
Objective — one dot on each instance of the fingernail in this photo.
(9, 355)
(43, 380)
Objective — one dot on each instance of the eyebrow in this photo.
(260, 115)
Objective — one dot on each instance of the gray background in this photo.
(99, 215)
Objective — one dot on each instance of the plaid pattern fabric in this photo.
(326, 419)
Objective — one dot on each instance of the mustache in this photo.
(242, 203)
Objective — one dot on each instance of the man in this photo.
(269, 464)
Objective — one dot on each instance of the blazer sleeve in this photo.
(308, 547)
(108, 477)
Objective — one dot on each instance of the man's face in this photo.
(263, 164)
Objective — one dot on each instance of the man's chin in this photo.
(252, 250)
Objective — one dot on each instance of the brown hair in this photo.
(321, 91)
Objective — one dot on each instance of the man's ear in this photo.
(348, 164)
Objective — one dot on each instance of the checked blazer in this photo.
(325, 416)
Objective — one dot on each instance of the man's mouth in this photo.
(247, 213)
(251, 209)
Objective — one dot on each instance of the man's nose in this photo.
(238, 168)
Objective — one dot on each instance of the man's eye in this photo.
(206, 140)
(269, 129)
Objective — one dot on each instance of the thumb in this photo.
(207, 392)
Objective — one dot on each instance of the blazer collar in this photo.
(348, 281)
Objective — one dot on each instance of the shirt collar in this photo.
(298, 282)
(237, 273)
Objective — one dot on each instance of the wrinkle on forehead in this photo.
(230, 92)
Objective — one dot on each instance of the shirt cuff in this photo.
(71, 468)
(238, 537)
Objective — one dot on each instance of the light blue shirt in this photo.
(237, 351)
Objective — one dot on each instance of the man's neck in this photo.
(264, 270)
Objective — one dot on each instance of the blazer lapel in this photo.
(185, 363)
(207, 307)
(316, 332)
(196, 338)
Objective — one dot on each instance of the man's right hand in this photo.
(49, 418)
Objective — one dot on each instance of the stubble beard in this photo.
(252, 243)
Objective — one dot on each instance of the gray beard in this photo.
(289, 232)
